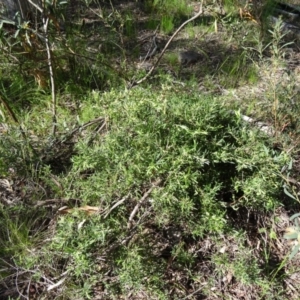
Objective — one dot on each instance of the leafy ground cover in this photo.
(162, 190)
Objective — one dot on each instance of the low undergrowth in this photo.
(165, 172)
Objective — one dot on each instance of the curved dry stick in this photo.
(166, 47)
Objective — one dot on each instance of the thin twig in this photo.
(116, 205)
(86, 125)
(99, 129)
(55, 201)
(166, 47)
(150, 52)
(190, 295)
(28, 288)
(140, 202)
(81, 127)
(51, 73)
(17, 286)
(57, 284)
(11, 113)
(131, 232)
(49, 60)
(36, 6)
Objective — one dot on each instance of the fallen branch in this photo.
(140, 202)
(87, 125)
(116, 205)
(166, 47)
(51, 73)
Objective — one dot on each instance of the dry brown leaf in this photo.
(89, 210)
(40, 78)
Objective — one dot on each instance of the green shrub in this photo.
(206, 158)
(198, 147)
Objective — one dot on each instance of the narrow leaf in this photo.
(288, 193)
(294, 216)
(290, 236)
(290, 165)
(294, 251)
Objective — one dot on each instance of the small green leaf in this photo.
(290, 165)
(288, 193)
(294, 251)
(7, 22)
(294, 216)
(290, 236)
(17, 33)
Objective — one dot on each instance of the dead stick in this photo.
(166, 47)
(86, 125)
(145, 196)
(51, 73)
(116, 205)
(36, 6)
